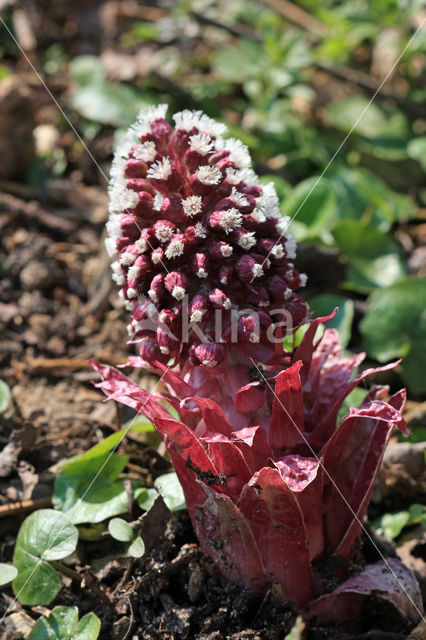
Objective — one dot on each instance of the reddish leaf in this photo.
(307, 346)
(287, 421)
(252, 443)
(273, 513)
(117, 387)
(388, 580)
(225, 535)
(190, 460)
(351, 459)
(304, 477)
(250, 398)
(213, 416)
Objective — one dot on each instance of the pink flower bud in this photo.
(176, 284)
(219, 299)
(209, 354)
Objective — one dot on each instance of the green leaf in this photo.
(87, 70)
(7, 573)
(385, 132)
(325, 303)
(4, 396)
(417, 511)
(108, 103)
(170, 489)
(246, 60)
(374, 256)
(88, 489)
(363, 196)
(145, 497)
(296, 632)
(105, 446)
(88, 628)
(416, 149)
(137, 548)
(395, 326)
(313, 202)
(45, 535)
(63, 624)
(391, 524)
(120, 530)
(5, 72)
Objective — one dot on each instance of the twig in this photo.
(44, 365)
(237, 31)
(83, 578)
(33, 211)
(12, 508)
(366, 83)
(299, 16)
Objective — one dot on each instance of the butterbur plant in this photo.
(276, 486)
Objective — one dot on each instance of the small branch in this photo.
(86, 578)
(299, 16)
(365, 82)
(237, 32)
(33, 211)
(13, 508)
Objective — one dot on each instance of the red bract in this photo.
(273, 483)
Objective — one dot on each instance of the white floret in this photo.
(247, 240)
(238, 152)
(201, 143)
(146, 117)
(145, 151)
(174, 249)
(160, 170)
(192, 205)
(209, 175)
(238, 198)
(268, 202)
(187, 120)
(230, 220)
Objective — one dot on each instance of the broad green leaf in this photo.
(108, 103)
(88, 628)
(87, 70)
(106, 445)
(63, 624)
(4, 396)
(120, 530)
(416, 149)
(137, 548)
(391, 524)
(145, 497)
(7, 573)
(247, 59)
(88, 489)
(45, 535)
(363, 196)
(170, 489)
(373, 255)
(313, 203)
(385, 132)
(395, 326)
(324, 304)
